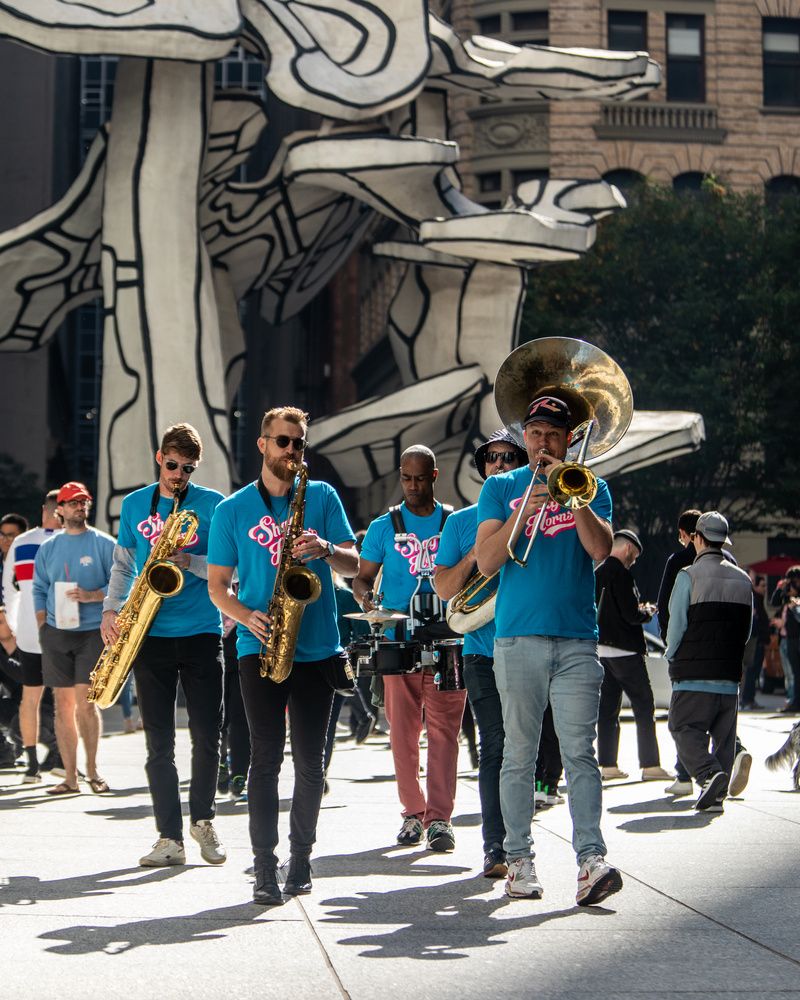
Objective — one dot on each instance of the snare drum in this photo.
(448, 670)
(359, 655)
(396, 658)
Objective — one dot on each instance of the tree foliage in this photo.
(697, 298)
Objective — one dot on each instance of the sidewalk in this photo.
(710, 905)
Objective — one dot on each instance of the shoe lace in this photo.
(594, 862)
(208, 834)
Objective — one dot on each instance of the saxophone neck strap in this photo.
(396, 514)
(266, 496)
(156, 499)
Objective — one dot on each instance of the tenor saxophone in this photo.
(295, 587)
(158, 579)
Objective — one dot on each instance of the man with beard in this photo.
(404, 542)
(184, 641)
(79, 559)
(455, 564)
(546, 648)
(247, 536)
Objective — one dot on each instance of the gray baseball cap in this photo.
(713, 526)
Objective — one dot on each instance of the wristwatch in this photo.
(331, 550)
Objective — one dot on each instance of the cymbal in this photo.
(377, 615)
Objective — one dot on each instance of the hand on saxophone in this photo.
(180, 559)
(108, 627)
(259, 623)
(308, 546)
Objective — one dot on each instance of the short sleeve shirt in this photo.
(248, 536)
(554, 594)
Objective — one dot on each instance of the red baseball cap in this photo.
(73, 491)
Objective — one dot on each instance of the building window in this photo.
(688, 183)
(781, 61)
(686, 58)
(627, 31)
(626, 180)
(780, 187)
(490, 183)
(489, 25)
(520, 27)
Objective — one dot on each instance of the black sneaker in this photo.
(440, 836)
(223, 779)
(52, 761)
(298, 880)
(494, 863)
(410, 832)
(364, 728)
(266, 891)
(712, 792)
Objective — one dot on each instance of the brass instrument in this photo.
(158, 579)
(295, 587)
(599, 397)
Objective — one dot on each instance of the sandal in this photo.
(63, 789)
(97, 784)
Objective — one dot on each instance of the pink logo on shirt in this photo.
(269, 535)
(152, 527)
(420, 554)
(555, 520)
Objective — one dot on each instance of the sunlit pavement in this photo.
(710, 906)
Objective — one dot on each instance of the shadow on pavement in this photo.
(27, 890)
(658, 824)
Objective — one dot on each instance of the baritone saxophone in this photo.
(158, 580)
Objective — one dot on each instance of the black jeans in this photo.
(549, 766)
(309, 698)
(197, 660)
(694, 716)
(628, 674)
(235, 734)
(753, 662)
(485, 702)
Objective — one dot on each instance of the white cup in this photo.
(68, 612)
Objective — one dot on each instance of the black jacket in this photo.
(619, 617)
(672, 567)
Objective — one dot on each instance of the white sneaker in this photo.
(656, 774)
(31, 779)
(613, 774)
(522, 881)
(679, 787)
(165, 852)
(596, 880)
(211, 850)
(740, 773)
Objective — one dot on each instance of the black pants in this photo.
(235, 734)
(309, 697)
(626, 674)
(485, 702)
(694, 716)
(549, 767)
(197, 660)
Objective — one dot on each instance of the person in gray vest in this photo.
(710, 615)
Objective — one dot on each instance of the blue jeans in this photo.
(485, 702)
(528, 670)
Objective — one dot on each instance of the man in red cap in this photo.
(70, 580)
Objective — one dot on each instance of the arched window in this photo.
(783, 184)
(689, 183)
(626, 180)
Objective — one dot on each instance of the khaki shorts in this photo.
(68, 656)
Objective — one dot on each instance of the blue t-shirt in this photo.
(246, 535)
(554, 593)
(85, 560)
(403, 561)
(190, 612)
(457, 539)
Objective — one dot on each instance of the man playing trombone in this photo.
(546, 644)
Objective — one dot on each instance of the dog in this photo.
(788, 754)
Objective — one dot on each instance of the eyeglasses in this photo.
(172, 465)
(282, 441)
(10, 535)
(82, 502)
(500, 456)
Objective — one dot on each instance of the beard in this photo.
(76, 520)
(279, 467)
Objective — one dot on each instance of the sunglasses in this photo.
(282, 441)
(500, 456)
(172, 465)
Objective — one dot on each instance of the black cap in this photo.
(630, 536)
(501, 436)
(550, 409)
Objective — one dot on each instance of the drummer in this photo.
(455, 564)
(404, 542)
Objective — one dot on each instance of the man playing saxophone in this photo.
(184, 641)
(247, 535)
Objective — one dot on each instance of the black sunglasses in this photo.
(172, 465)
(500, 456)
(282, 440)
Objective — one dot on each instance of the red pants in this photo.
(405, 699)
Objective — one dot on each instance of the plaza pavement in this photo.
(710, 906)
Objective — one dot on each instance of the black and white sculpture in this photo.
(156, 225)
